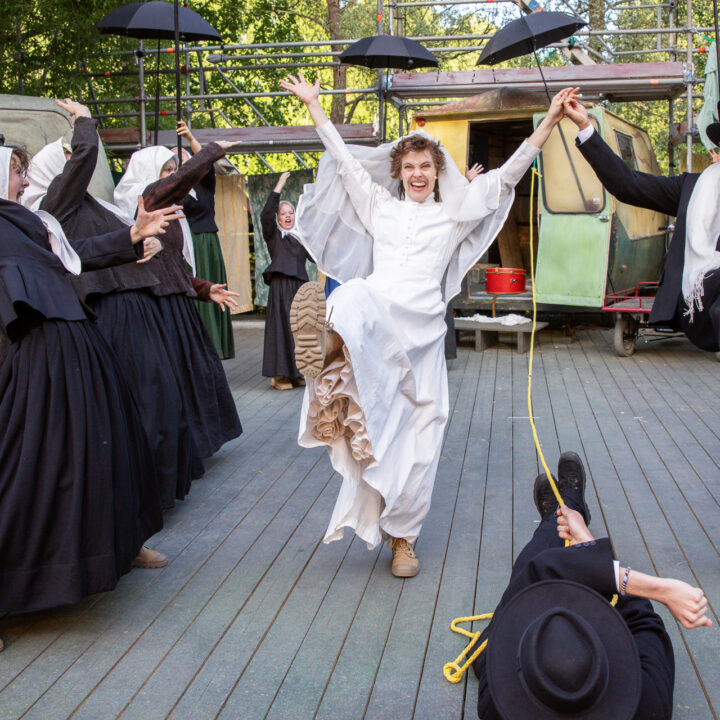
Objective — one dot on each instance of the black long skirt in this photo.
(77, 485)
(208, 401)
(279, 348)
(131, 322)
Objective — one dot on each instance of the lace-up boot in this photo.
(309, 328)
(571, 483)
(404, 563)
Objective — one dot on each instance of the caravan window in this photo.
(569, 183)
(625, 146)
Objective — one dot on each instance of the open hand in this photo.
(151, 247)
(75, 109)
(301, 88)
(571, 526)
(224, 298)
(474, 171)
(687, 604)
(149, 223)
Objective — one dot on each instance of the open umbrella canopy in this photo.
(388, 51)
(527, 34)
(155, 20)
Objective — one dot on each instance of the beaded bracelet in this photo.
(623, 586)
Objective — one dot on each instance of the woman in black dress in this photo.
(285, 274)
(128, 313)
(78, 495)
(152, 172)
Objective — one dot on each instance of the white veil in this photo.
(341, 245)
(143, 169)
(58, 242)
(701, 238)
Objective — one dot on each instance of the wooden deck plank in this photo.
(255, 618)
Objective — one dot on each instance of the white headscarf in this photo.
(58, 242)
(701, 237)
(341, 245)
(46, 165)
(294, 231)
(144, 169)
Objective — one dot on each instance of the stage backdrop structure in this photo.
(259, 188)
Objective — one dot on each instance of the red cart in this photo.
(632, 308)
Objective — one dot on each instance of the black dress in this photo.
(209, 403)
(129, 318)
(209, 261)
(285, 274)
(77, 483)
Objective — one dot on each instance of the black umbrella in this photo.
(155, 20)
(159, 20)
(388, 51)
(526, 35)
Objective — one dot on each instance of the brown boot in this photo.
(149, 559)
(404, 563)
(298, 381)
(308, 326)
(281, 383)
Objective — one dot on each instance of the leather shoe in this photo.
(571, 480)
(545, 500)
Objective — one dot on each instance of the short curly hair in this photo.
(415, 143)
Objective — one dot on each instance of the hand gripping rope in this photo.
(453, 671)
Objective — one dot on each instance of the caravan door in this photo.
(575, 222)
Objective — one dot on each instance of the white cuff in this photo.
(585, 133)
(616, 564)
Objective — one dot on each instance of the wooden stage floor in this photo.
(255, 618)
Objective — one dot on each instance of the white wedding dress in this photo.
(400, 262)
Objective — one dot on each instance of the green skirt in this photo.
(209, 265)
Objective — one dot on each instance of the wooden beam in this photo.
(254, 139)
(617, 82)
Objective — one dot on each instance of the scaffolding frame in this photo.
(228, 60)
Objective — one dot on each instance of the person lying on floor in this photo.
(557, 648)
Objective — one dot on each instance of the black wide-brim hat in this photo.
(531, 668)
(713, 132)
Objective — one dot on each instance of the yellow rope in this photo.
(532, 347)
(453, 671)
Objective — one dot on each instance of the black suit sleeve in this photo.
(645, 190)
(67, 191)
(102, 251)
(268, 218)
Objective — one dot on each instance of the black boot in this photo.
(571, 483)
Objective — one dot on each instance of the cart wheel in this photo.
(626, 332)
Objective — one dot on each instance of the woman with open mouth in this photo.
(399, 226)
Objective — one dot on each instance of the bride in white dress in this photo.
(399, 226)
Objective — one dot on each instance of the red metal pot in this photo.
(505, 280)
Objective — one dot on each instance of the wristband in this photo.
(623, 586)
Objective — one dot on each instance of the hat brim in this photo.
(622, 695)
(713, 132)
